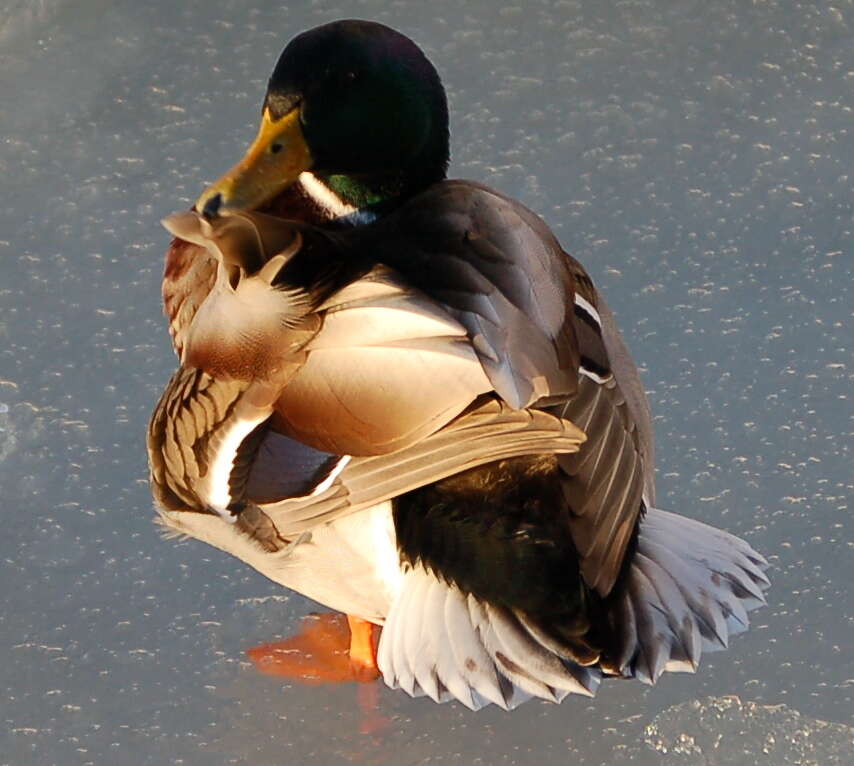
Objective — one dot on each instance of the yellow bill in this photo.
(274, 161)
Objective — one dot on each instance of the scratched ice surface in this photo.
(719, 731)
(694, 154)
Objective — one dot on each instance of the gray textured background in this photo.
(695, 155)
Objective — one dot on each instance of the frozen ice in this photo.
(726, 731)
(694, 154)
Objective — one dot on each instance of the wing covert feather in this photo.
(489, 430)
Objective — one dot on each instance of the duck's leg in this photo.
(363, 651)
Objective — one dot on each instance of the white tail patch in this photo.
(443, 643)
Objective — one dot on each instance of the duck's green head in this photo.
(355, 103)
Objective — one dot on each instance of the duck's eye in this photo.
(275, 148)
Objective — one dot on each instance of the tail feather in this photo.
(588, 678)
(653, 630)
(472, 661)
(706, 548)
(702, 537)
(409, 619)
(706, 581)
(686, 644)
(527, 673)
(688, 589)
(624, 616)
(423, 670)
(525, 652)
(703, 605)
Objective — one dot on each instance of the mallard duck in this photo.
(401, 398)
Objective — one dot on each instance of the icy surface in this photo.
(724, 731)
(694, 154)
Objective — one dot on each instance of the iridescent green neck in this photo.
(365, 193)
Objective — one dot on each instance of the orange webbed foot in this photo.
(323, 651)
